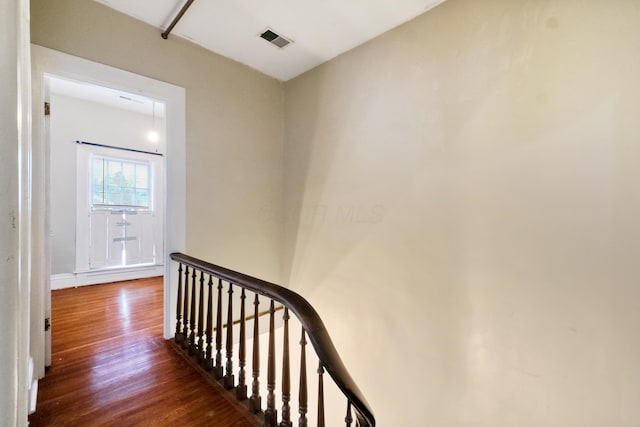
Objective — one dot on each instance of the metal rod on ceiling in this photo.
(95, 144)
(165, 35)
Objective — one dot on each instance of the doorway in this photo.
(106, 169)
(48, 62)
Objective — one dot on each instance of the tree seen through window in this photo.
(118, 182)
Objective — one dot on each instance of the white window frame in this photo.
(84, 205)
(150, 186)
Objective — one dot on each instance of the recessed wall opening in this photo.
(106, 178)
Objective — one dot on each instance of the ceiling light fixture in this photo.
(153, 135)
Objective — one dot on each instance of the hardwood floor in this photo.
(112, 367)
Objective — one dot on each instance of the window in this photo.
(120, 183)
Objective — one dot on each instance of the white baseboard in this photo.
(72, 280)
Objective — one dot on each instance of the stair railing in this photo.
(199, 332)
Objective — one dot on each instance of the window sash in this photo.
(117, 183)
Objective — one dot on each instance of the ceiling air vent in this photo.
(275, 38)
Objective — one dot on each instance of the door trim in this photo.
(48, 61)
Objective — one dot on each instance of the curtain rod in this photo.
(119, 148)
(165, 35)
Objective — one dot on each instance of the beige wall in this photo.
(463, 192)
(463, 189)
(234, 126)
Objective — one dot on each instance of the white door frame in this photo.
(15, 150)
(47, 61)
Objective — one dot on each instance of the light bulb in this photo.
(153, 136)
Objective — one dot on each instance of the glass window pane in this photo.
(128, 174)
(98, 198)
(142, 197)
(128, 195)
(142, 176)
(98, 171)
(120, 182)
(97, 176)
(114, 167)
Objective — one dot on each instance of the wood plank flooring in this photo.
(112, 367)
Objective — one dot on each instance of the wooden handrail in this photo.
(310, 320)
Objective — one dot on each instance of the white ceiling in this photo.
(110, 97)
(320, 30)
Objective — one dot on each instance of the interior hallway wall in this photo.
(234, 126)
(463, 192)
